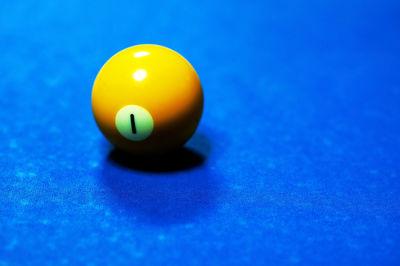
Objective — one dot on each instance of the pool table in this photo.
(296, 160)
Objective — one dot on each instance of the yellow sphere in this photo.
(147, 99)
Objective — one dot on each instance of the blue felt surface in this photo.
(296, 160)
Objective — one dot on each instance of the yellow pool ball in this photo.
(147, 99)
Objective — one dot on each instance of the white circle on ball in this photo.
(134, 122)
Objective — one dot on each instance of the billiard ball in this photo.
(147, 99)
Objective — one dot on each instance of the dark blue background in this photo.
(296, 160)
